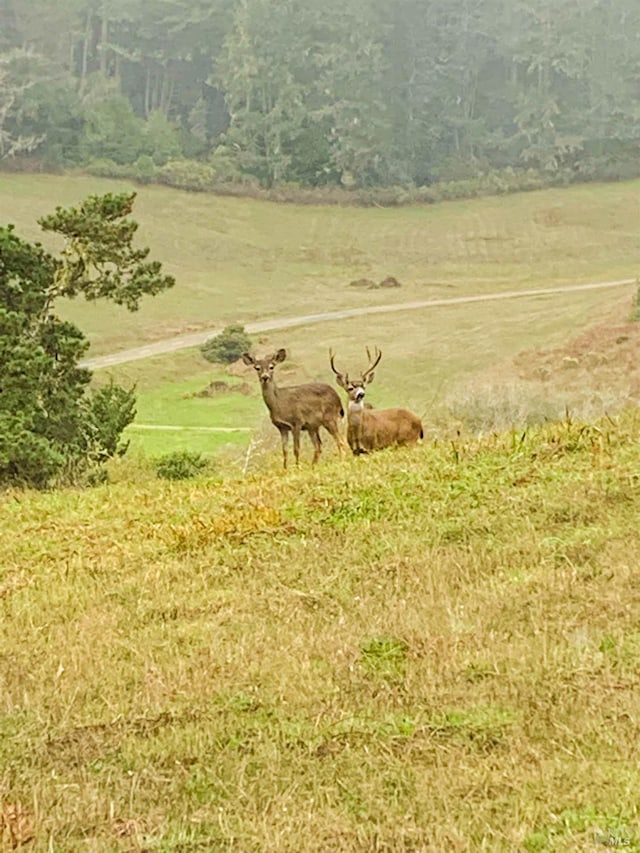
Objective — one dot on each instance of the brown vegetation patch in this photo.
(219, 386)
(16, 826)
(365, 283)
(603, 358)
(390, 281)
(369, 284)
(597, 372)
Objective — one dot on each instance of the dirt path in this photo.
(194, 339)
(178, 428)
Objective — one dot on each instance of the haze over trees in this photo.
(357, 93)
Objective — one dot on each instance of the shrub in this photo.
(180, 465)
(187, 175)
(144, 169)
(228, 346)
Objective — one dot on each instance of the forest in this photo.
(347, 93)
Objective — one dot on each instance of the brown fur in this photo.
(297, 408)
(373, 429)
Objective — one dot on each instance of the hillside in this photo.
(591, 373)
(238, 260)
(428, 650)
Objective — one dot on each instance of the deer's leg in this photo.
(314, 435)
(296, 443)
(333, 428)
(284, 437)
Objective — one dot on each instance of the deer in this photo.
(371, 429)
(297, 408)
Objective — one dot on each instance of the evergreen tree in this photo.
(51, 427)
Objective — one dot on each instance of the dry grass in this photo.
(240, 259)
(427, 650)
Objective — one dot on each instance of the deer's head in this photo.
(264, 367)
(355, 388)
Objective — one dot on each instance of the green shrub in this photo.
(187, 175)
(103, 167)
(144, 169)
(228, 346)
(180, 465)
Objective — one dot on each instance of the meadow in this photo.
(421, 650)
(434, 649)
(238, 260)
(241, 260)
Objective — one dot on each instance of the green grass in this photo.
(431, 360)
(430, 649)
(240, 259)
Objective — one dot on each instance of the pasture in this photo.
(427, 649)
(432, 359)
(238, 260)
(241, 260)
(434, 648)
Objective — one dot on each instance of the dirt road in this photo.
(194, 339)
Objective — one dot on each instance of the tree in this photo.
(52, 427)
(228, 346)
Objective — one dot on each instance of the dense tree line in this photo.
(351, 92)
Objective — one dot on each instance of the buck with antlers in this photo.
(298, 407)
(370, 429)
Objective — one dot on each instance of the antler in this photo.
(372, 367)
(342, 377)
(332, 357)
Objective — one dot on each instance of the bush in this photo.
(144, 169)
(180, 465)
(187, 175)
(228, 346)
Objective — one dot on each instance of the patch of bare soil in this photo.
(369, 284)
(604, 359)
(218, 387)
(597, 372)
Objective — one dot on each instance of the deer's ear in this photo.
(247, 358)
(280, 355)
(369, 378)
(341, 380)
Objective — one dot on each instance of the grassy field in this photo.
(432, 650)
(432, 360)
(241, 259)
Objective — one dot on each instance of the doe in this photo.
(371, 429)
(298, 407)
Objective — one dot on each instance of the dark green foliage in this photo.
(114, 132)
(107, 412)
(99, 260)
(228, 346)
(356, 93)
(180, 465)
(50, 427)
